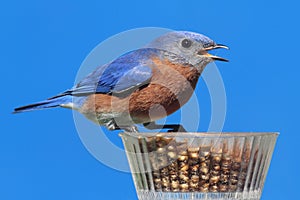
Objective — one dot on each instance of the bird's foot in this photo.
(172, 127)
(112, 125)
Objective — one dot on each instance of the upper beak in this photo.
(217, 46)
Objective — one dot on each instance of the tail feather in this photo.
(49, 103)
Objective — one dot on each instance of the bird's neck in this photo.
(178, 71)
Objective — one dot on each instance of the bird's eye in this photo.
(186, 43)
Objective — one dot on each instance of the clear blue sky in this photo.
(43, 43)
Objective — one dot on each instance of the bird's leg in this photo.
(112, 125)
(130, 129)
(172, 127)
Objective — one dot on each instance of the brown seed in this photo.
(205, 177)
(234, 175)
(157, 180)
(174, 176)
(165, 184)
(214, 188)
(194, 168)
(204, 189)
(204, 164)
(172, 155)
(183, 152)
(183, 158)
(233, 181)
(194, 185)
(223, 188)
(215, 173)
(193, 149)
(216, 167)
(195, 178)
(165, 179)
(205, 184)
(224, 178)
(226, 171)
(184, 186)
(161, 150)
(236, 166)
(175, 184)
(184, 173)
(214, 179)
(226, 158)
(171, 148)
(164, 170)
(232, 188)
(204, 170)
(216, 158)
(181, 164)
(225, 165)
(184, 178)
(205, 153)
(194, 155)
(184, 168)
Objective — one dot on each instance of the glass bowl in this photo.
(167, 166)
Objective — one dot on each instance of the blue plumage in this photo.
(129, 92)
(121, 76)
(49, 103)
(127, 72)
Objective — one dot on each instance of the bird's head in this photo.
(192, 46)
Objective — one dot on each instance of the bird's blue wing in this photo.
(123, 75)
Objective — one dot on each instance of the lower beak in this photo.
(218, 46)
(215, 57)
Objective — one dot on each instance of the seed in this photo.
(216, 167)
(214, 188)
(194, 155)
(165, 184)
(183, 178)
(233, 181)
(184, 186)
(216, 158)
(203, 189)
(184, 168)
(194, 185)
(195, 178)
(232, 188)
(183, 158)
(160, 150)
(157, 180)
(172, 155)
(205, 177)
(215, 173)
(194, 168)
(175, 184)
(236, 166)
(223, 188)
(214, 179)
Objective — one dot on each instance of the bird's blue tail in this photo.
(49, 103)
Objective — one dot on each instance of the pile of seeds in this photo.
(202, 167)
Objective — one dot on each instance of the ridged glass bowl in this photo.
(168, 166)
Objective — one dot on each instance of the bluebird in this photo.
(141, 86)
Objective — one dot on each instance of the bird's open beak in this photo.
(217, 46)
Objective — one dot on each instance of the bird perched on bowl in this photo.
(140, 86)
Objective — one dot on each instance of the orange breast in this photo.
(170, 88)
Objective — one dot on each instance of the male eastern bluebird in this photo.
(141, 86)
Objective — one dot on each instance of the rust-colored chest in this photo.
(170, 88)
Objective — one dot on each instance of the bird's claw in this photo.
(171, 127)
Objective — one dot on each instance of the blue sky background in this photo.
(43, 43)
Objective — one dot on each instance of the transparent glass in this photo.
(168, 166)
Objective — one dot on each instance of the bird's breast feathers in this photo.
(169, 88)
